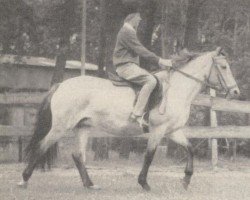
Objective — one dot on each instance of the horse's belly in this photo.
(78, 99)
(114, 128)
(113, 120)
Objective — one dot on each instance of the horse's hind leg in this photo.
(80, 158)
(181, 139)
(37, 152)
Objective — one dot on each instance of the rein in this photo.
(206, 82)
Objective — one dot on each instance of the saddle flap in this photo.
(118, 81)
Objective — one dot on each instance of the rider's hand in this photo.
(165, 63)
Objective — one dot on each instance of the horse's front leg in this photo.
(153, 141)
(180, 138)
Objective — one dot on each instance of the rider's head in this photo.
(133, 19)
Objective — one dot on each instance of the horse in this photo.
(85, 105)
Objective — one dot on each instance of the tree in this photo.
(63, 20)
(102, 38)
(191, 30)
(17, 18)
(147, 10)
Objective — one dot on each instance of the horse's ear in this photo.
(218, 51)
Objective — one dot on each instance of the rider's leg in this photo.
(149, 85)
(137, 75)
(179, 137)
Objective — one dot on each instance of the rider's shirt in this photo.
(128, 48)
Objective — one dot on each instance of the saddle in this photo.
(155, 97)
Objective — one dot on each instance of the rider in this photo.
(126, 60)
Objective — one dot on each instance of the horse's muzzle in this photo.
(234, 93)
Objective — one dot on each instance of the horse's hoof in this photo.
(95, 187)
(146, 187)
(185, 182)
(22, 184)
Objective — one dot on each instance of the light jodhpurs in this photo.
(137, 75)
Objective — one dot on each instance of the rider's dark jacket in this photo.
(128, 48)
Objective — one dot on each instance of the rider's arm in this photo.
(131, 41)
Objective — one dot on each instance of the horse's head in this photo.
(221, 76)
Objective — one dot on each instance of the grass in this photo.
(118, 180)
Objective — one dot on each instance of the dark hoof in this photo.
(145, 186)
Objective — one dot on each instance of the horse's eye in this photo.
(224, 67)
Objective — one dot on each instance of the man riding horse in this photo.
(126, 55)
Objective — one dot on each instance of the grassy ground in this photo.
(118, 180)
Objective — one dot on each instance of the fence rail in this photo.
(235, 132)
(20, 101)
(215, 103)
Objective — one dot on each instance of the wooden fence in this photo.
(19, 102)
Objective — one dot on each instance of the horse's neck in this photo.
(186, 88)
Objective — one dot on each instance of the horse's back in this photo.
(89, 82)
(97, 92)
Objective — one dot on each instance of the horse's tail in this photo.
(41, 129)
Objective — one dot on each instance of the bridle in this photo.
(222, 79)
(206, 82)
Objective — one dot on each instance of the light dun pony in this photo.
(85, 105)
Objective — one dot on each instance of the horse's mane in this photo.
(184, 57)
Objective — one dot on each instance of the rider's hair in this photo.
(131, 16)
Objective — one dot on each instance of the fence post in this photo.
(234, 150)
(214, 123)
(17, 119)
(20, 149)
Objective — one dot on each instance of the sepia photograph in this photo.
(124, 99)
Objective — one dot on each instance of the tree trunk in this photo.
(191, 32)
(144, 34)
(235, 36)
(61, 59)
(114, 18)
(145, 29)
(102, 39)
(163, 29)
